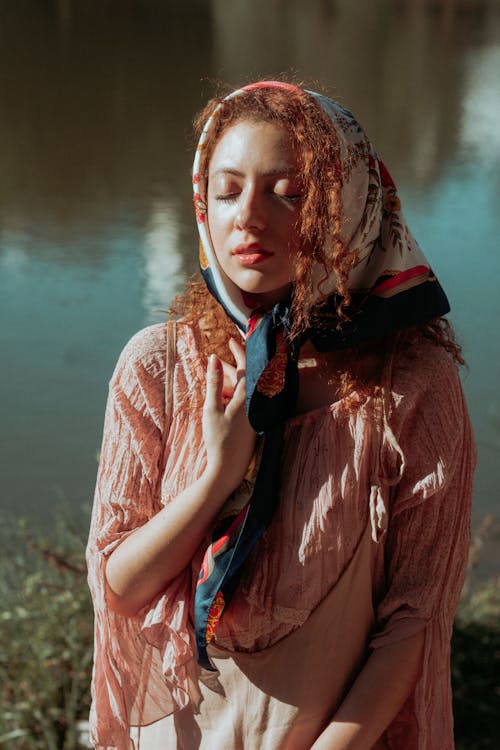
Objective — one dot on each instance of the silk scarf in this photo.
(392, 287)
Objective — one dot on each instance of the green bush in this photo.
(46, 652)
(476, 668)
(46, 636)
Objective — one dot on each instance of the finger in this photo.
(215, 379)
(238, 352)
(238, 398)
(229, 378)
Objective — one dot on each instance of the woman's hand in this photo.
(380, 689)
(229, 438)
(143, 564)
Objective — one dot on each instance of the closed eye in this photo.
(227, 197)
(290, 198)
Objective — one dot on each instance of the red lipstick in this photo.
(251, 254)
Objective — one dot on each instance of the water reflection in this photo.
(480, 131)
(399, 64)
(96, 226)
(163, 264)
(94, 114)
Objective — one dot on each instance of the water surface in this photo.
(96, 230)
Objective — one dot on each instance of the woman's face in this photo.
(254, 202)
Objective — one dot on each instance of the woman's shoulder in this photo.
(422, 367)
(146, 351)
(145, 343)
(429, 441)
(426, 391)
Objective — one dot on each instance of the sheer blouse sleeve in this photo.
(427, 543)
(134, 657)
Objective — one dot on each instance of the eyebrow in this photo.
(286, 171)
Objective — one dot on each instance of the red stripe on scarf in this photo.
(215, 548)
(252, 325)
(410, 273)
(271, 85)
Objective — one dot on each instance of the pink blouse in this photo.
(407, 471)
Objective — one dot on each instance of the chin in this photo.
(259, 297)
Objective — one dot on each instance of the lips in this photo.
(251, 254)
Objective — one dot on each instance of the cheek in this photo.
(215, 225)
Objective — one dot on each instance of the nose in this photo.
(251, 211)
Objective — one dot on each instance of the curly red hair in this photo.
(315, 139)
(316, 145)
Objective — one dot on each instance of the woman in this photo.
(296, 589)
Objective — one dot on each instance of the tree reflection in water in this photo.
(96, 226)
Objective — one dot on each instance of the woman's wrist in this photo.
(342, 736)
(160, 549)
(218, 481)
(380, 689)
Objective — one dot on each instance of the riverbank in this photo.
(46, 632)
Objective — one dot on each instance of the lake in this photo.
(96, 227)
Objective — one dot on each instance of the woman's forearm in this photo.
(376, 696)
(142, 565)
(155, 553)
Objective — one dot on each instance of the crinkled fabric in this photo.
(392, 287)
(145, 666)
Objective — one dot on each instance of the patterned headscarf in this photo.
(391, 286)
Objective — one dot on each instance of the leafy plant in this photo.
(46, 635)
(475, 670)
(476, 655)
(46, 645)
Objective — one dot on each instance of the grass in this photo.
(46, 652)
(476, 669)
(476, 654)
(46, 637)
